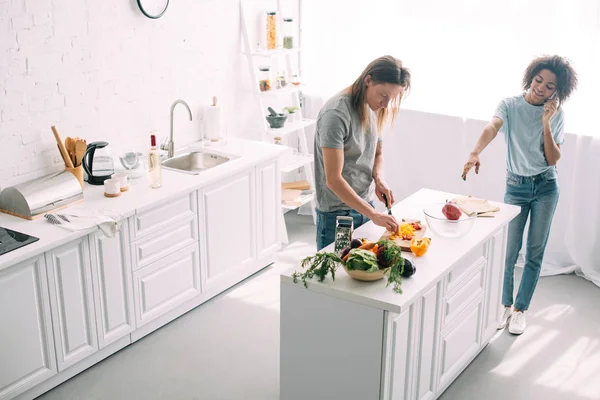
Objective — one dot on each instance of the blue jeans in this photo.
(537, 196)
(326, 224)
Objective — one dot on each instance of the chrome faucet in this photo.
(170, 146)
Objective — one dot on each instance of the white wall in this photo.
(102, 71)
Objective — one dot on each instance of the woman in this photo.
(348, 148)
(533, 125)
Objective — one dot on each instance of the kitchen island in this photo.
(73, 298)
(346, 339)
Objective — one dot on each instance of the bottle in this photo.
(154, 167)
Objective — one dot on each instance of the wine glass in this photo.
(130, 159)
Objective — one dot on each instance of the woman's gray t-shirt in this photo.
(339, 127)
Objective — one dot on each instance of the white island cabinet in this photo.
(348, 339)
(71, 299)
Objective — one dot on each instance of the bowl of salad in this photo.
(370, 261)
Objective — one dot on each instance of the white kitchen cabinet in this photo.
(166, 284)
(72, 302)
(229, 229)
(112, 283)
(269, 212)
(86, 298)
(431, 332)
(26, 343)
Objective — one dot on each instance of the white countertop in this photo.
(441, 256)
(139, 197)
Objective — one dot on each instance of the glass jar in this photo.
(281, 81)
(278, 140)
(271, 30)
(288, 33)
(264, 79)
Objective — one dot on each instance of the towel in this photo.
(77, 218)
(471, 205)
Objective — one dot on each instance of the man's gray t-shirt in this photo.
(339, 127)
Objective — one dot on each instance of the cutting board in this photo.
(405, 244)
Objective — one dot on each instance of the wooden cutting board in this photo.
(405, 244)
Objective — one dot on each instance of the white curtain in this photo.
(466, 55)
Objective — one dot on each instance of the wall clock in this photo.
(153, 8)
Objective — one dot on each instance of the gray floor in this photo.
(229, 347)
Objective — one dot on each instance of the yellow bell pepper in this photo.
(419, 246)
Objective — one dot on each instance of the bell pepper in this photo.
(419, 246)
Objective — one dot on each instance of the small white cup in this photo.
(112, 187)
(122, 178)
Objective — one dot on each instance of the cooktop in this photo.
(11, 240)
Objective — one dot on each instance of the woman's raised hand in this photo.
(472, 162)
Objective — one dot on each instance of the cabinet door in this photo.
(113, 288)
(166, 284)
(460, 343)
(26, 343)
(269, 210)
(428, 336)
(72, 302)
(494, 282)
(228, 232)
(402, 352)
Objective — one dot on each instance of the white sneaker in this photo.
(505, 313)
(517, 323)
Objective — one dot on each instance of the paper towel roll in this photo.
(213, 122)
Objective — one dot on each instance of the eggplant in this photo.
(409, 269)
(355, 243)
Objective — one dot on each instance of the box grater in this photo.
(343, 233)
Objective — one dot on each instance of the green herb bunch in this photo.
(320, 264)
(389, 255)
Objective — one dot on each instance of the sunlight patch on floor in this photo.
(554, 312)
(577, 370)
(520, 354)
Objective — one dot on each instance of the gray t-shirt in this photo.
(339, 127)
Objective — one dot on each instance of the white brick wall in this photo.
(102, 71)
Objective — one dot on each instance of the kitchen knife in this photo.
(387, 205)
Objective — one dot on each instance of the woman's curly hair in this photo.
(566, 77)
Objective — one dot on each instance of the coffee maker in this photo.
(98, 163)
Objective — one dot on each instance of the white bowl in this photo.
(442, 226)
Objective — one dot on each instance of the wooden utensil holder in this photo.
(77, 172)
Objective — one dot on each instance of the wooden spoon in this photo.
(80, 149)
(61, 147)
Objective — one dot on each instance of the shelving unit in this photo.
(303, 160)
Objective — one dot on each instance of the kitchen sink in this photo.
(194, 162)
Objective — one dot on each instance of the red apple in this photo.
(451, 211)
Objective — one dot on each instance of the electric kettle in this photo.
(98, 163)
